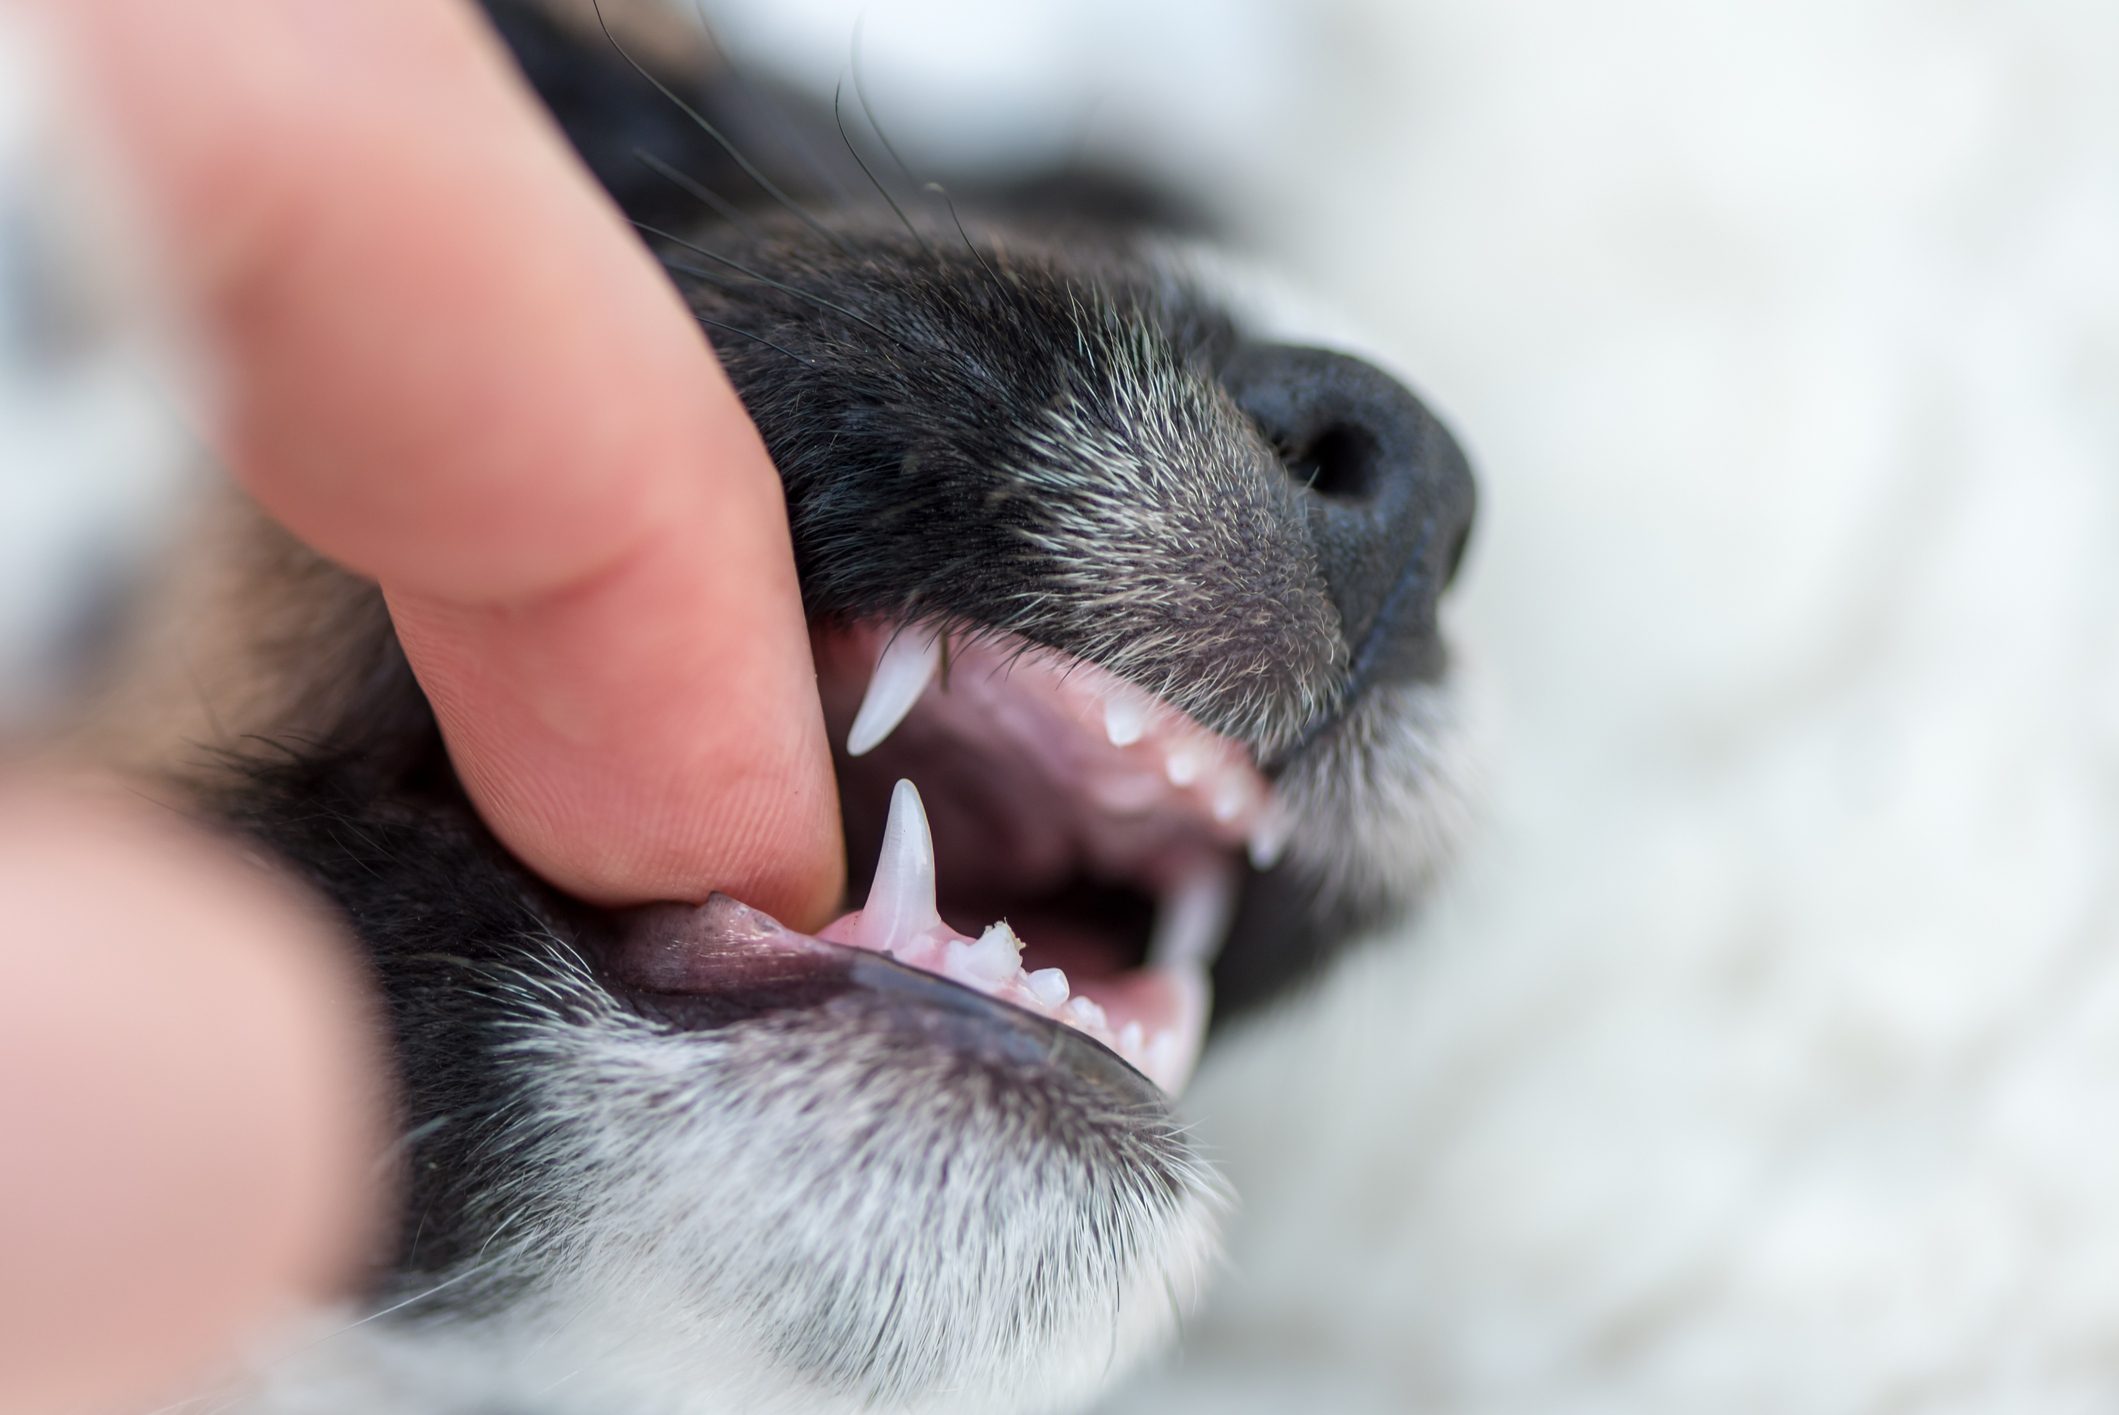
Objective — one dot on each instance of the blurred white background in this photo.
(1765, 1053)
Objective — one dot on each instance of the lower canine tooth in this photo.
(900, 905)
(1164, 1063)
(1173, 1051)
(903, 670)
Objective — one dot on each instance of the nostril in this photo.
(1384, 487)
(1339, 462)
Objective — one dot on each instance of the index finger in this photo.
(450, 367)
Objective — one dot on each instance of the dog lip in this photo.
(703, 967)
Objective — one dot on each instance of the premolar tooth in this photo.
(1228, 798)
(1192, 917)
(1125, 720)
(1048, 986)
(906, 666)
(900, 903)
(1129, 1038)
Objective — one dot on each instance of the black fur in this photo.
(441, 911)
(1036, 429)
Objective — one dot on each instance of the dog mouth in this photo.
(1045, 836)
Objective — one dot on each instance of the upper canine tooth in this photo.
(1192, 917)
(903, 670)
(1125, 721)
(900, 905)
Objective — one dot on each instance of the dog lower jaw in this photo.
(703, 966)
(861, 1194)
(810, 1213)
(584, 1352)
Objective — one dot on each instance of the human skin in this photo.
(445, 363)
(187, 1100)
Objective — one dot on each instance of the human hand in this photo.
(449, 366)
(446, 364)
(187, 1100)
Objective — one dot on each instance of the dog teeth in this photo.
(1048, 986)
(1229, 797)
(1082, 1013)
(1182, 766)
(1269, 838)
(1192, 918)
(908, 663)
(1125, 721)
(993, 959)
(900, 907)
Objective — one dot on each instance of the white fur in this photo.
(804, 1214)
(734, 1174)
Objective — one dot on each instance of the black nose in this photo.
(1388, 492)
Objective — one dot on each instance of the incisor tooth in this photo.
(1048, 986)
(1125, 721)
(900, 903)
(992, 959)
(1269, 838)
(1081, 1012)
(906, 666)
(1182, 766)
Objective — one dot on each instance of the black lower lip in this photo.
(728, 982)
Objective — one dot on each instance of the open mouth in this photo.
(1088, 838)
(1045, 834)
